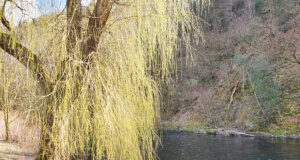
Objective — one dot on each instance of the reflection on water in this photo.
(188, 146)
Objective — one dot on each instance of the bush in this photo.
(258, 7)
(260, 76)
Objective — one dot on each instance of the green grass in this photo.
(171, 127)
(184, 128)
(190, 129)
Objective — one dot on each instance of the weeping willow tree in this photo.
(100, 73)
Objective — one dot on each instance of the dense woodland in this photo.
(247, 74)
(101, 81)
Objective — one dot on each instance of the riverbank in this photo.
(14, 151)
(245, 76)
(231, 132)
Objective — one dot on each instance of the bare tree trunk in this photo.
(5, 114)
(74, 21)
(3, 103)
(6, 121)
(96, 26)
(250, 8)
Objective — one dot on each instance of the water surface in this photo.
(189, 146)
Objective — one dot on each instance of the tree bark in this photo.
(74, 19)
(77, 47)
(74, 36)
(6, 121)
(27, 58)
(3, 101)
(5, 110)
(96, 26)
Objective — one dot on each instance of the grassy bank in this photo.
(267, 132)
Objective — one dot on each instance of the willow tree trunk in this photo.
(75, 39)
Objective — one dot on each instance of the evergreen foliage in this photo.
(258, 7)
(266, 91)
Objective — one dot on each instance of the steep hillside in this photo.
(246, 75)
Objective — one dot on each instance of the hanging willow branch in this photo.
(109, 110)
(27, 58)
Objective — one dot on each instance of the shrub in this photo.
(260, 76)
(258, 7)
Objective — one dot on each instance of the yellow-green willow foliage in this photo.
(114, 114)
(14, 95)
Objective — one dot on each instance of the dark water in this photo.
(188, 146)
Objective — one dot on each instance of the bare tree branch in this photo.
(4, 21)
(295, 57)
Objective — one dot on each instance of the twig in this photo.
(232, 96)
(259, 105)
(4, 21)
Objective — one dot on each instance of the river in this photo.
(190, 146)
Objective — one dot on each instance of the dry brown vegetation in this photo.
(213, 92)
